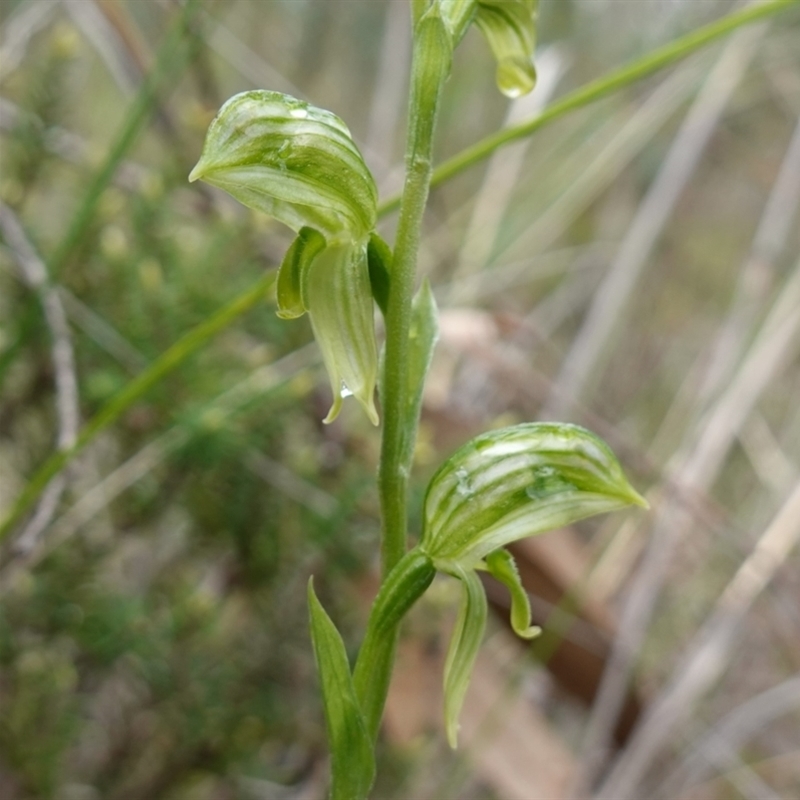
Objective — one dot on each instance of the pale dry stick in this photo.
(594, 167)
(149, 457)
(774, 467)
(784, 84)
(747, 782)
(589, 170)
(72, 148)
(244, 60)
(592, 345)
(567, 298)
(782, 765)
(553, 263)
(291, 484)
(710, 651)
(388, 96)
(92, 503)
(758, 273)
(102, 332)
(499, 182)
(21, 26)
(755, 279)
(34, 273)
(107, 42)
(696, 467)
(735, 729)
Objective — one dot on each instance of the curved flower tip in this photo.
(299, 164)
(339, 302)
(510, 29)
(515, 76)
(291, 160)
(517, 482)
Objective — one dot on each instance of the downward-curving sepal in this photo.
(463, 650)
(516, 482)
(339, 302)
(502, 567)
(503, 486)
(352, 758)
(293, 161)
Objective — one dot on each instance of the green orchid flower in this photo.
(500, 487)
(299, 164)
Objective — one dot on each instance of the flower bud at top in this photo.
(510, 29)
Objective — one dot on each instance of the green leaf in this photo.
(293, 161)
(516, 482)
(463, 651)
(501, 565)
(379, 256)
(510, 29)
(423, 335)
(293, 274)
(403, 586)
(339, 302)
(352, 758)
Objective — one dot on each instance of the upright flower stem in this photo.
(430, 68)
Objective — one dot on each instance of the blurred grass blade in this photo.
(171, 57)
(352, 760)
(463, 650)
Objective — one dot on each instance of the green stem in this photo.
(430, 67)
(597, 89)
(429, 70)
(134, 390)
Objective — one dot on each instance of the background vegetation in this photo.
(632, 267)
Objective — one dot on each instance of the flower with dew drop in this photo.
(299, 164)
